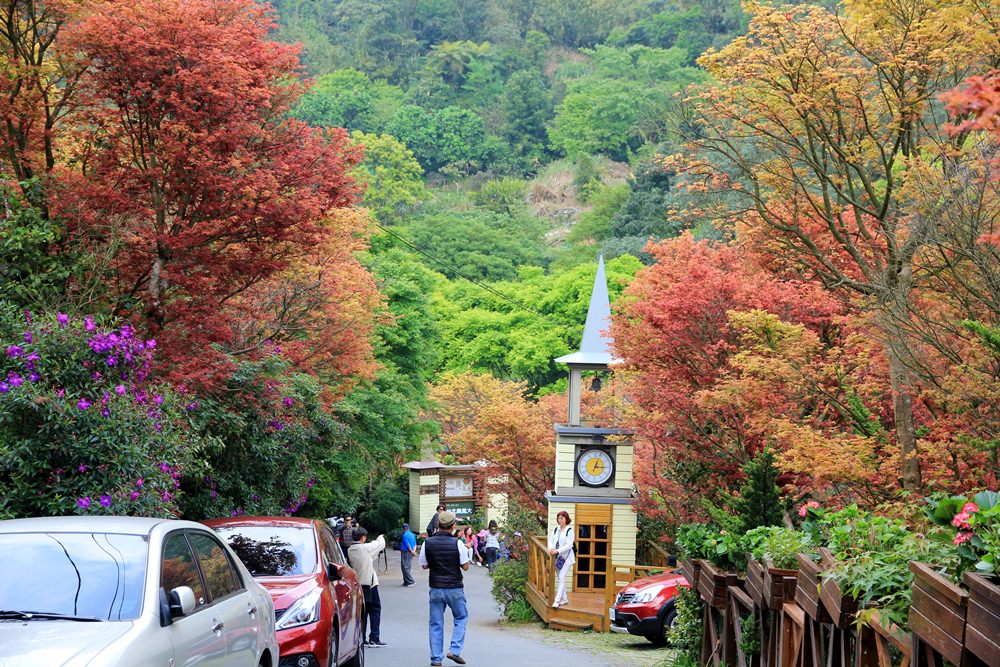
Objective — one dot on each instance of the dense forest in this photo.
(256, 277)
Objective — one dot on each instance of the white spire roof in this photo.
(596, 345)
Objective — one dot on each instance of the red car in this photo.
(646, 607)
(318, 603)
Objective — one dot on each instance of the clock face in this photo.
(594, 467)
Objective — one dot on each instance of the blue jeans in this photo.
(439, 599)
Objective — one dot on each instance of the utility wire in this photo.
(454, 269)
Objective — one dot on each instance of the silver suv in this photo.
(100, 591)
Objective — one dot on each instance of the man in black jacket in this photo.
(446, 557)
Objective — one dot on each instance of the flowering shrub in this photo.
(84, 427)
(976, 521)
(272, 446)
(722, 548)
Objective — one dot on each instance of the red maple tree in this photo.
(188, 174)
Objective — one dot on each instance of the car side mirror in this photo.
(334, 571)
(181, 601)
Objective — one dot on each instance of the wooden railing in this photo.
(541, 569)
(653, 554)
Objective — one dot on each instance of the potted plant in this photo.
(772, 562)
(978, 539)
(721, 555)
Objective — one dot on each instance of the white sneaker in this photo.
(555, 605)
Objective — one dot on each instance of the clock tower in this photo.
(594, 462)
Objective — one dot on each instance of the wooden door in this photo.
(593, 547)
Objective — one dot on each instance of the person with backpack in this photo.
(561, 546)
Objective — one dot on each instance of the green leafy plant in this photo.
(722, 548)
(751, 638)
(686, 633)
(510, 579)
(777, 543)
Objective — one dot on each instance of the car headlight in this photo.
(647, 594)
(303, 611)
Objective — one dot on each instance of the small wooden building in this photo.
(462, 489)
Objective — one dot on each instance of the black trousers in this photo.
(373, 613)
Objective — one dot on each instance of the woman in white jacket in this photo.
(561, 545)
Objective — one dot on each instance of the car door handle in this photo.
(218, 627)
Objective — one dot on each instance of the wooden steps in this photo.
(570, 624)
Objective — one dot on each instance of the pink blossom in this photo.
(961, 520)
(963, 536)
(804, 510)
(970, 508)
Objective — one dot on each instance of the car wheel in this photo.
(669, 622)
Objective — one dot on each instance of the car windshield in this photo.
(85, 575)
(273, 551)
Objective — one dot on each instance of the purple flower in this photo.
(112, 360)
(288, 401)
(167, 496)
(83, 404)
(151, 343)
(105, 500)
(27, 337)
(34, 377)
(14, 351)
(88, 322)
(105, 412)
(15, 379)
(139, 482)
(81, 468)
(214, 494)
(277, 349)
(158, 399)
(120, 389)
(165, 467)
(311, 483)
(32, 357)
(134, 495)
(60, 392)
(277, 425)
(62, 319)
(4, 387)
(192, 406)
(83, 502)
(157, 427)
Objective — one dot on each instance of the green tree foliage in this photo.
(386, 506)
(384, 416)
(526, 107)
(393, 177)
(276, 447)
(618, 100)
(440, 137)
(349, 99)
(478, 244)
(484, 332)
(758, 502)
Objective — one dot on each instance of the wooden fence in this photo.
(799, 618)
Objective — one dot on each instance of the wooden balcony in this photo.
(586, 610)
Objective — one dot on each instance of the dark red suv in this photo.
(318, 603)
(646, 607)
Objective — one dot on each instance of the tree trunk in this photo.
(902, 408)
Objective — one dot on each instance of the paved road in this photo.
(487, 643)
